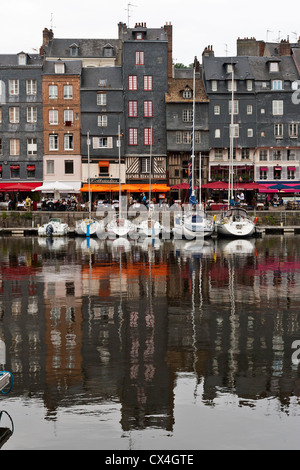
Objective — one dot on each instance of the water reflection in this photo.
(119, 321)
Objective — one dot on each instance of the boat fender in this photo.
(255, 220)
(49, 230)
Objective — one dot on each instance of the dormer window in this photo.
(22, 59)
(187, 93)
(59, 67)
(108, 51)
(139, 36)
(273, 66)
(229, 68)
(74, 49)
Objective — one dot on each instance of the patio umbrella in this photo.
(55, 187)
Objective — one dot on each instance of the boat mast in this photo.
(150, 167)
(192, 189)
(119, 144)
(89, 179)
(231, 133)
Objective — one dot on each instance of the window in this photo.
(31, 146)
(229, 68)
(53, 117)
(68, 142)
(197, 137)
(277, 107)
(13, 87)
(50, 167)
(273, 67)
(14, 115)
(68, 117)
(249, 132)
(291, 155)
(229, 85)
(132, 82)
(187, 115)
(101, 99)
(108, 52)
(249, 109)
(218, 154)
(31, 87)
(187, 94)
(214, 85)
(139, 58)
(276, 84)
(263, 173)
(14, 145)
(148, 82)
(293, 130)
(245, 154)
(53, 91)
(235, 107)
(148, 138)
(217, 109)
(278, 131)
(291, 173)
(102, 142)
(133, 136)
(145, 165)
(148, 109)
(69, 167)
(22, 59)
(249, 85)
(53, 142)
(102, 120)
(31, 114)
(217, 133)
(102, 82)
(234, 130)
(178, 137)
(15, 171)
(263, 155)
(30, 171)
(186, 137)
(68, 92)
(59, 67)
(132, 109)
(276, 155)
(277, 173)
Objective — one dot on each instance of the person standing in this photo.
(28, 204)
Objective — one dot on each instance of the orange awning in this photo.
(133, 188)
(103, 163)
(100, 188)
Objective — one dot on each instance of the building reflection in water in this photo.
(120, 321)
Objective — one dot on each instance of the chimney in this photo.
(47, 36)
(284, 47)
(208, 51)
(196, 65)
(169, 30)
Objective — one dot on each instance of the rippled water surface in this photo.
(139, 345)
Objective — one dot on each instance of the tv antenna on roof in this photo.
(128, 11)
(268, 31)
(51, 21)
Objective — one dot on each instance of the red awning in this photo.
(30, 167)
(14, 187)
(278, 168)
(263, 168)
(291, 168)
(103, 163)
(181, 186)
(14, 167)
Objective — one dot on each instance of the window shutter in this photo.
(109, 142)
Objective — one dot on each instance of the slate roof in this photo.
(88, 48)
(72, 67)
(260, 68)
(12, 60)
(296, 56)
(91, 75)
(215, 68)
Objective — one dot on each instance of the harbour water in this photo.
(145, 346)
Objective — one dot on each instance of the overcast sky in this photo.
(196, 23)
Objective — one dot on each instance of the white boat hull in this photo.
(59, 229)
(91, 226)
(187, 227)
(149, 228)
(120, 227)
(236, 229)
